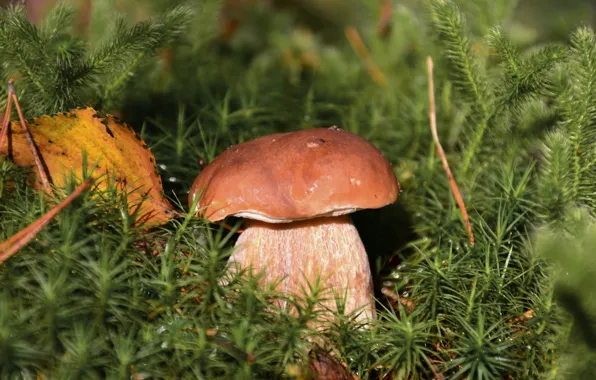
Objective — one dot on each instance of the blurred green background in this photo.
(546, 20)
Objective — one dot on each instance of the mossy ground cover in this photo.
(94, 297)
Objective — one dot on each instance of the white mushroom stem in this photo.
(329, 247)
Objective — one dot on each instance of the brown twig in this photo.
(21, 238)
(433, 127)
(358, 45)
(40, 168)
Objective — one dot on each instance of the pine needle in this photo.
(385, 19)
(21, 238)
(40, 168)
(358, 45)
(441, 152)
(6, 121)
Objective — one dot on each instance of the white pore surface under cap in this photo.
(255, 215)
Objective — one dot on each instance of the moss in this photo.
(510, 114)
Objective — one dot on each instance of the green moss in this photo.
(92, 297)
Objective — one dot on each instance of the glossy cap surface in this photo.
(294, 176)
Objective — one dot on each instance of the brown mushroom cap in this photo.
(292, 176)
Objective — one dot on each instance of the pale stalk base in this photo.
(328, 247)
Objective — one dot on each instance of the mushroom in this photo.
(296, 189)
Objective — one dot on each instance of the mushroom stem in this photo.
(329, 247)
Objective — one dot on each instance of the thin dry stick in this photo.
(441, 152)
(42, 172)
(6, 121)
(358, 45)
(21, 238)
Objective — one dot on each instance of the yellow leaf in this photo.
(112, 145)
